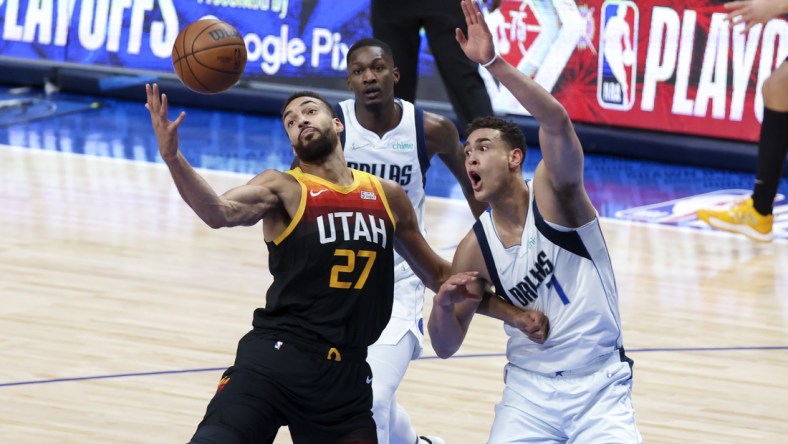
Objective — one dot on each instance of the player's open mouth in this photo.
(476, 180)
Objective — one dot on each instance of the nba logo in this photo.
(618, 55)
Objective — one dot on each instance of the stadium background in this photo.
(693, 98)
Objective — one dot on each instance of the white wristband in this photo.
(487, 65)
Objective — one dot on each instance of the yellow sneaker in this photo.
(741, 218)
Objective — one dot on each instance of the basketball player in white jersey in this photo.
(541, 247)
(395, 140)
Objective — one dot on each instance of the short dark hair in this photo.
(367, 42)
(312, 94)
(510, 132)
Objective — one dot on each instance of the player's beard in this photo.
(317, 149)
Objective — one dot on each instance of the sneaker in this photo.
(741, 218)
(431, 440)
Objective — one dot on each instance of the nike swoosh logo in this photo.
(369, 379)
(314, 193)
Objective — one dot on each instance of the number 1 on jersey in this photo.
(553, 283)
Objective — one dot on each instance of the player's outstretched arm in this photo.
(561, 172)
(432, 269)
(244, 205)
(479, 47)
(444, 140)
(455, 303)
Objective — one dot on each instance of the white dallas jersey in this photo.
(567, 275)
(400, 155)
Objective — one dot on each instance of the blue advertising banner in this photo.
(284, 38)
(667, 65)
(302, 42)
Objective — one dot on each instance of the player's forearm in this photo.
(431, 268)
(195, 191)
(494, 307)
(439, 270)
(538, 101)
(446, 331)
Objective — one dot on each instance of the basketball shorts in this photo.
(274, 384)
(593, 405)
(406, 311)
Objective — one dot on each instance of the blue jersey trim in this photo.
(421, 144)
(489, 261)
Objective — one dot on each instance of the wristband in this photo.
(487, 65)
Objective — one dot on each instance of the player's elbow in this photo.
(443, 353)
(213, 221)
(444, 347)
(216, 219)
(215, 224)
(559, 121)
(229, 214)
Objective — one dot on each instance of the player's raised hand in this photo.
(478, 45)
(534, 324)
(752, 12)
(455, 289)
(166, 130)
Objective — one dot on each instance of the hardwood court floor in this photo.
(120, 309)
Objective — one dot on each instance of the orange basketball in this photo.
(209, 56)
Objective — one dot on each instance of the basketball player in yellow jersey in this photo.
(330, 232)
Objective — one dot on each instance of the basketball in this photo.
(209, 56)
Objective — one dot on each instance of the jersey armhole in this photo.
(489, 261)
(299, 213)
(376, 183)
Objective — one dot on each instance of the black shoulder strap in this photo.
(489, 261)
(421, 143)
